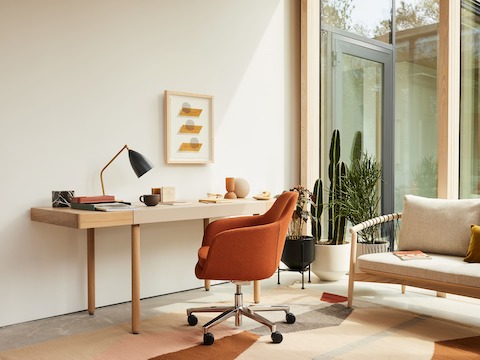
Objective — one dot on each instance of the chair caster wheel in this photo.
(276, 337)
(192, 320)
(208, 339)
(290, 318)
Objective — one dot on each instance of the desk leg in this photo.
(136, 279)
(256, 291)
(206, 283)
(256, 288)
(91, 270)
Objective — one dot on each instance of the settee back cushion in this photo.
(437, 225)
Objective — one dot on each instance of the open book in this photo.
(411, 255)
(104, 206)
(213, 200)
(115, 206)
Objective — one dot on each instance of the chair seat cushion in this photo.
(442, 268)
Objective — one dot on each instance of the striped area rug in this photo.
(325, 329)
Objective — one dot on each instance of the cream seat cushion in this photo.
(437, 225)
(441, 268)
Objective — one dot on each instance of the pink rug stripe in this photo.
(226, 348)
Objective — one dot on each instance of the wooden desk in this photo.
(90, 220)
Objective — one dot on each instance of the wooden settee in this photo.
(438, 227)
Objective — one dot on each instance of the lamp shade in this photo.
(140, 164)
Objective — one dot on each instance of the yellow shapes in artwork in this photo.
(191, 146)
(190, 129)
(186, 111)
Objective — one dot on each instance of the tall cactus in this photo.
(337, 171)
(336, 174)
(316, 210)
(356, 152)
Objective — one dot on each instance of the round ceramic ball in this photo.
(241, 187)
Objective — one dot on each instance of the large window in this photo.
(469, 111)
(406, 125)
(436, 121)
(359, 17)
(416, 121)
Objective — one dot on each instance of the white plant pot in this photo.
(332, 262)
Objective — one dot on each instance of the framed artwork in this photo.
(188, 128)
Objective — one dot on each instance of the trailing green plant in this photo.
(301, 214)
(361, 194)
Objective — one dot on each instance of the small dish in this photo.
(262, 197)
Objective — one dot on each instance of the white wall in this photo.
(80, 79)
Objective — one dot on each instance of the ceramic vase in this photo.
(242, 188)
(230, 186)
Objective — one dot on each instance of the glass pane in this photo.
(416, 100)
(413, 14)
(469, 107)
(324, 107)
(359, 17)
(361, 104)
(324, 71)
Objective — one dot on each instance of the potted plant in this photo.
(361, 199)
(332, 254)
(299, 249)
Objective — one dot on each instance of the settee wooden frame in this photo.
(382, 277)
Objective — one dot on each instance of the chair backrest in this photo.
(282, 207)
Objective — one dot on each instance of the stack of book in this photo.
(99, 203)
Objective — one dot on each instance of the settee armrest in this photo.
(364, 225)
(353, 251)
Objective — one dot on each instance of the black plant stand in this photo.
(302, 271)
(298, 255)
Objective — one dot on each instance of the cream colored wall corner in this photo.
(82, 79)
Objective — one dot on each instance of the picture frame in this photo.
(188, 128)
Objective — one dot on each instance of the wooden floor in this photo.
(453, 308)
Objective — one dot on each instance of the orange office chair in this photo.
(243, 249)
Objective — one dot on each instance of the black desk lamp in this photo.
(140, 164)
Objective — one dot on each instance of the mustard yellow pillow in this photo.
(473, 252)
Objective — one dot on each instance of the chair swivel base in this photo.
(238, 310)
